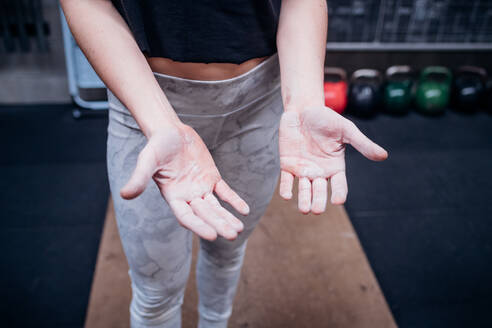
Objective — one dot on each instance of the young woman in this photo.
(212, 100)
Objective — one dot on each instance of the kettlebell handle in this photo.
(436, 70)
(398, 69)
(472, 69)
(368, 73)
(336, 71)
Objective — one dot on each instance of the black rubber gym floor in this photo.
(53, 199)
(424, 216)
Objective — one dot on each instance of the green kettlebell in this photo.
(398, 89)
(433, 91)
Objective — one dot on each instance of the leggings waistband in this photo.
(216, 98)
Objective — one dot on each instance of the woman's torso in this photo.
(203, 39)
(201, 71)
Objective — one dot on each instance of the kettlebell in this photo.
(335, 88)
(468, 88)
(397, 96)
(433, 90)
(487, 103)
(365, 92)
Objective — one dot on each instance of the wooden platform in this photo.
(299, 271)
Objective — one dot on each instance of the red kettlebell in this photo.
(335, 89)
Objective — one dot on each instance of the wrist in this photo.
(160, 117)
(299, 99)
(301, 106)
(156, 126)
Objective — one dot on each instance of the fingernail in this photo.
(231, 233)
(337, 199)
(240, 226)
(304, 210)
(286, 195)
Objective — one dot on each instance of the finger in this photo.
(338, 188)
(189, 220)
(231, 219)
(141, 175)
(304, 198)
(228, 195)
(204, 210)
(320, 195)
(286, 183)
(363, 144)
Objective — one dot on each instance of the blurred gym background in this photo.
(411, 247)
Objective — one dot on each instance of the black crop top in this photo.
(203, 31)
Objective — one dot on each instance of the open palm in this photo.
(312, 148)
(185, 173)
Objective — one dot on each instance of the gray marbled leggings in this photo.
(238, 121)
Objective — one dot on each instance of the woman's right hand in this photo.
(176, 158)
(185, 173)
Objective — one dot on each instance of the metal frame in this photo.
(376, 43)
(80, 73)
(416, 46)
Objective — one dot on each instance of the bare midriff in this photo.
(201, 71)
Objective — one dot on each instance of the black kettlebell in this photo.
(365, 92)
(487, 101)
(469, 88)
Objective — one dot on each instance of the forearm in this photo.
(301, 44)
(108, 44)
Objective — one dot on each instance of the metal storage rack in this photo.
(410, 25)
(80, 73)
(22, 24)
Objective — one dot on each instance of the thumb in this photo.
(142, 174)
(371, 150)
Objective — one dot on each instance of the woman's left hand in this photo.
(312, 148)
